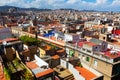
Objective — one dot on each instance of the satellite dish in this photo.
(4, 43)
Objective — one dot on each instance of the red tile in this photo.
(86, 73)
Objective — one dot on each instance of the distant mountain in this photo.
(89, 10)
(68, 9)
(6, 8)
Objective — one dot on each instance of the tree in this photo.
(29, 40)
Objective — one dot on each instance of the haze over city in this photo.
(100, 5)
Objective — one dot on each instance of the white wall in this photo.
(40, 62)
(56, 35)
(72, 70)
(68, 37)
(67, 51)
(110, 28)
(75, 72)
(110, 46)
(63, 63)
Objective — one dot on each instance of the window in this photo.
(83, 57)
(87, 59)
(95, 63)
(103, 38)
(89, 51)
(71, 53)
(79, 55)
(83, 49)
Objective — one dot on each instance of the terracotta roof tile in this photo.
(1, 41)
(59, 51)
(44, 73)
(86, 73)
(80, 44)
(10, 39)
(91, 44)
(55, 57)
(32, 65)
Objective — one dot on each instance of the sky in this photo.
(101, 5)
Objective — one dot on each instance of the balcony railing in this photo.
(98, 55)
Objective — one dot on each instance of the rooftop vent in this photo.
(44, 67)
(113, 52)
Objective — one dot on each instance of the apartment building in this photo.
(79, 71)
(97, 56)
(91, 24)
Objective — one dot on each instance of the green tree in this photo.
(29, 40)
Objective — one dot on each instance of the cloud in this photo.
(75, 4)
(73, 1)
(116, 3)
(101, 1)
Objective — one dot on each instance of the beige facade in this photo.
(42, 52)
(107, 69)
(103, 37)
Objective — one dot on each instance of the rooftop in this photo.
(55, 57)
(9, 40)
(86, 73)
(90, 43)
(96, 41)
(112, 54)
(1, 41)
(109, 53)
(1, 26)
(62, 72)
(47, 47)
(80, 44)
(38, 71)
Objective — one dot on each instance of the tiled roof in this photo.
(31, 66)
(86, 73)
(62, 50)
(11, 24)
(80, 44)
(9, 39)
(112, 55)
(48, 71)
(53, 38)
(1, 26)
(38, 71)
(91, 44)
(1, 41)
(55, 57)
(47, 47)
